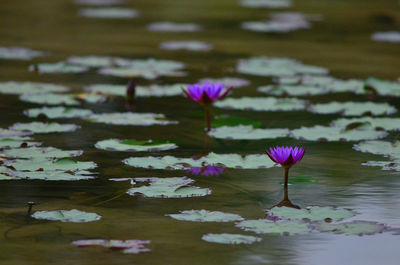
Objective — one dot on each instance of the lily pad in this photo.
(233, 239)
(19, 53)
(15, 143)
(326, 133)
(389, 124)
(227, 81)
(266, 3)
(44, 164)
(18, 88)
(206, 216)
(186, 45)
(264, 226)
(247, 133)
(130, 246)
(140, 91)
(70, 216)
(57, 68)
(387, 149)
(135, 146)
(167, 26)
(382, 87)
(262, 104)
(92, 98)
(58, 112)
(388, 36)
(353, 108)
(129, 118)
(109, 12)
(359, 228)
(385, 165)
(277, 67)
(95, 61)
(177, 187)
(54, 175)
(36, 152)
(99, 2)
(212, 159)
(14, 134)
(311, 214)
(149, 69)
(50, 99)
(40, 127)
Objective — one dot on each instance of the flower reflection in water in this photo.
(206, 171)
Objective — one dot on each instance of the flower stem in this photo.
(208, 122)
(286, 177)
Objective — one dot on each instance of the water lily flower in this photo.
(287, 156)
(205, 94)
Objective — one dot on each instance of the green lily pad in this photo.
(45, 164)
(266, 3)
(70, 216)
(233, 239)
(130, 246)
(353, 108)
(262, 104)
(186, 45)
(95, 61)
(57, 68)
(36, 152)
(177, 187)
(19, 53)
(149, 69)
(264, 226)
(15, 143)
(16, 135)
(277, 67)
(383, 88)
(247, 133)
(228, 81)
(173, 27)
(140, 91)
(41, 127)
(53, 175)
(330, 133)
(50, 99)
(224, 120)
(388, 36)
(108, 12)
(58, 112)
(212, 159)
(135, 146)
(359, 228)
(389, 124)
(19, 88)
(206, 216)
(311, 214)
(387, 149)
(129, 118)
(385, 165)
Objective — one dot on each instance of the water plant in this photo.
(286, 156)
(205, 94)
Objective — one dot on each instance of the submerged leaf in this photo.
(230, 239)
(71, 216)
(205, 216)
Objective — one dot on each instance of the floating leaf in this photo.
(12, 134)
(44, 164)
(40, 127)
(36, 152)
(96, 61)
(266, 3)
(140, 91)
(108, 12)
(389, 124)
(212, 159)
(224, 120)
(92, 98)
(50, 99)
(14, 143)
(70, 216)
(247, 133)
(388, 36)
(264, 226)
(206, 216)
(230, 239)
(19, 53)
(359, 228)
(310, 214)
(385, 165)
(326, 133)
(135, 146)
(58, 112)
(177, 187)
(99, 2)
(9, 174)
(277, 67)
(262, 104)
(130, 246)
(129, 118)
(383, 88)
(186, 45)
(57, 68)
(353, 108)
(387, 149)
(227, 81)
(173, 27)
(18, 88)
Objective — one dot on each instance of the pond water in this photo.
(213, 42)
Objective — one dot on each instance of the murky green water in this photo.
(340, 42)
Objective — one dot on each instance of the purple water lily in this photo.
(287, 156)
(205, 94)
